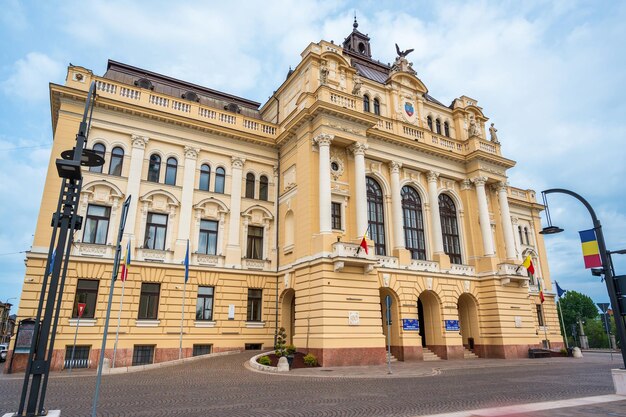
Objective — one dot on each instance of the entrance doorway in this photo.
(288, 315)
(468, 320)
(429, 317)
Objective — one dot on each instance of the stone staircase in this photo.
(393, 358)
(468, 354)
(429, 355)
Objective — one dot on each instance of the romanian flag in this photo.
(541, 297)
(591, 252)
(364, 243)
(528, 264)
(125, 263)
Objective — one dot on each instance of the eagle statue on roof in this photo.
(403, 54)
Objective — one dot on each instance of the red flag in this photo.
(81, 309)
(364, 244)
(125, 264)
(541, 297)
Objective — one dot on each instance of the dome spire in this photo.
(355, 24)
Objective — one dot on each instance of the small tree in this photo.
(281, 343)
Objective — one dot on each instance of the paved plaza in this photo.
(224, 386)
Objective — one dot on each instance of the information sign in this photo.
(452, 325)
(410, 324)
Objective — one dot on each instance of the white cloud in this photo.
(30, 77)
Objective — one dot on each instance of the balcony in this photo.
(423, 266)
(466, 270)
(512, 275)
(256, 264)
(93, 250)
(207, 260)
(154, 255)
(348, 254)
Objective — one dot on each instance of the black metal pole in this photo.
(607, 268)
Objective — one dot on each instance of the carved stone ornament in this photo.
(356, 90)
(394, 167)
(429, 283)
(336, 167)
(286, 280)
(502, 186)
(473, 127)
(358, 148)
(191, 153)
(238, 161)
(323, 73)
(479, 181)
(466, 184)
(139, 141)
(323, 139)
(466, 285)
(432, 176)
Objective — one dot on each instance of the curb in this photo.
(263, 368)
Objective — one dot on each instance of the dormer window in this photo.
(362, 48)
(232, 107)
(144, 83)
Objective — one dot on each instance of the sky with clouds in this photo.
(550, 75)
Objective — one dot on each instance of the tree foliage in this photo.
(574, 306)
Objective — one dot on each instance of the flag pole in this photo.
(119, 319)
(558, 303)
(545, 323)
(76, 336)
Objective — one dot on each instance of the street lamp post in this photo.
(5, 325)
(65, 221)
(605, 257)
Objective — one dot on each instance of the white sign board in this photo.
(231, 312)
(353, 318)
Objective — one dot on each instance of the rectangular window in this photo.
(253, 346)
(96, 224)
(149, 301)
(204, 304)
(81, 357)
(207, 242)
(255, 298)
(540, 314)
(255, 243)
(156, 229)
(335, 213)
(202, 349)
(87, 293)
(143, 354)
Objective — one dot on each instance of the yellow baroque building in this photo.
(275, 200)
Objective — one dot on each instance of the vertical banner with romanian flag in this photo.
(591, 251)
(528, 264)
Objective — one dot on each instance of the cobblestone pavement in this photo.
(224, 387)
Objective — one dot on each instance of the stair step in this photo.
(468, 354)
(429, 355)
(393, 358)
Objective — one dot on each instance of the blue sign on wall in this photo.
(452, 325)
(410, 324)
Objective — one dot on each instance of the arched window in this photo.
(366, 103)
(154, 169)
(220, 177)
(438, 126)
(263, 188)
(446, 129)
(521, 238)
(205, 177)
(170, 171)
(413, 223)
(429, 120)
(449, 229)
(250, 185)
(117, 161)
(101, 150)
(376, 107)
(376, 216)
(526, 235)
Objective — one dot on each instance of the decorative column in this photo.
(518, 244)
(323, 143)
(233, 249)
(435, 218)
(184, 222)
(396, 205)
(507, 226)
(360, 201)
(483, 215)
(134, 180)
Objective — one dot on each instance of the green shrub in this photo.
(281, 342)
(310, 360)
(291, 349)
(265, 360)
(563, 351)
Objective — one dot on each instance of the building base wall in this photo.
(407, 353)
(349, 356)
(123, 357)
(447, 352)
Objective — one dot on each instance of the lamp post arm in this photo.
(576, 196)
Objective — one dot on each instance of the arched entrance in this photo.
(429, 316)
(394, 325)
(468, 320)
(288, 313)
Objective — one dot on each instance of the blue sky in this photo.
(550, 75)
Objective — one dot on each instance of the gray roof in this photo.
(371, 73)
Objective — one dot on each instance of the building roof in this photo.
(127, 74)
